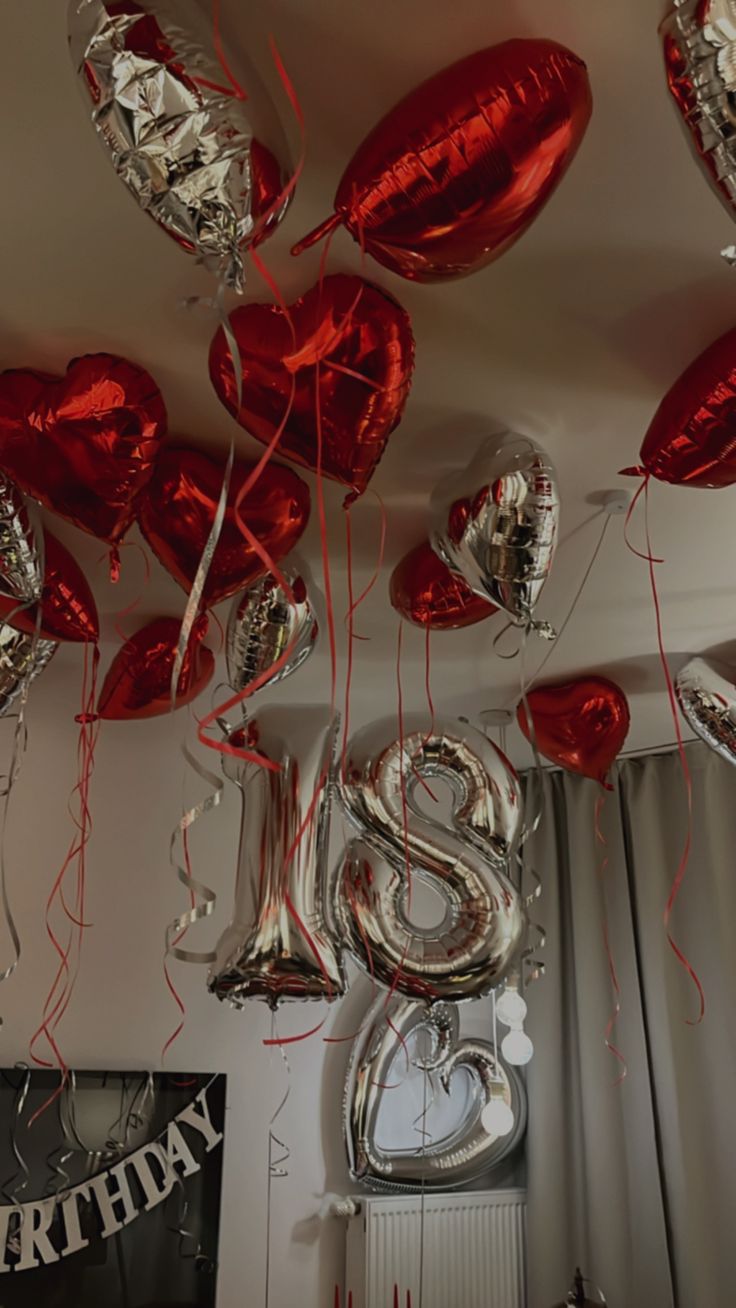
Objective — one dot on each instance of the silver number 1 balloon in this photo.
(279, 944)
(464, 861)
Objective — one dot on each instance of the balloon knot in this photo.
(635, 471)
(114, 564)
(85, 718)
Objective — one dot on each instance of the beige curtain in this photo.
(638, 1181)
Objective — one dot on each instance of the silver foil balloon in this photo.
(496, 523)
(463, 860)
(208, 164)
(263, 624)
(708, 701)
(699, 39)
(22, 659)
(21, 573)
(279, 944)
(379, 1058)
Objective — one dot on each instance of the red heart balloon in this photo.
(138, 681)
(691, 440)
(177, 511)
(83, 444)
(68, 609)
(581, 724)
(460, 167)
(424, 590)
(352, 345)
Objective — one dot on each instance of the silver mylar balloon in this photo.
(708, 701)
(496, 523)
(279, 944)
(700, 55)
(22, 659)
(208, 164)
(379, 1060)
(263, 624)
(20, 565)
(463, 860)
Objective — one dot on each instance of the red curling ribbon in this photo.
(69, 953)
(177, 940)
(687, 779)
(612, 972)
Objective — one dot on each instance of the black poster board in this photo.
(161, 1247)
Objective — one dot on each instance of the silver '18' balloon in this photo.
(699, 39)
(196, 139)
(496, 523)
(463, 860)
(380, 1054)
(708, 701)
(263, 624)
(279, 944)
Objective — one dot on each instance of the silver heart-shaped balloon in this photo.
(708, 701)
(264, 623)
(468, 1150)
(496, 523)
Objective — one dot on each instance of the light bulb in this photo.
(497, 1118)
(517, 1048)
(510, 1008)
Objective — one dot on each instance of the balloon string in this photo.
(130, 608)
(236, 90)
(60, 994)
(687, 779)
(349, 618)
(276, 1168)
(167, 975)
(379, 565)
(612, 971)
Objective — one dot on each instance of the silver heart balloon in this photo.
(22, 659)
(379, 1059)
(463, 858)
(699, 38)
(264, 624)
(708, 701)
(496, 523)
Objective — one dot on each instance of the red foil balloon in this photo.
(138, 682)
(354, 350)
(68, 609)
(424, 590)
(83, 444)
(581, 724)
(178, 509)
(459, 169)
(691, 440)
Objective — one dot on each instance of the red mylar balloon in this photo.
(138, 681)
(458, 170)
(424, 590)
(352, 353)
(177, 511)
(68, 609)
(691, 440)
(83, 444)
(581, 724)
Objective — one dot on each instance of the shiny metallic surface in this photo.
(463, 858)
(379, 1060)
(699, 39)
(279, 944)
(208, 164)
(262, 626)
(22, 658)
(20, 565)
(708, 701)
(496, 523)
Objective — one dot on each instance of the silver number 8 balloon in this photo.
(464, 860)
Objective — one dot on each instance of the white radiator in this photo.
(474, 1251)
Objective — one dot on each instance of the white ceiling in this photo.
(572, 337)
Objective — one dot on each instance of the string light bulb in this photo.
(497, 1117)
(517, 1048)
(511, 1008)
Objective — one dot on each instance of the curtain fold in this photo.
(636, 1181)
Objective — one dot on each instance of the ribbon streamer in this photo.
(612, 972)
(204, 898)
(276, 1166)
